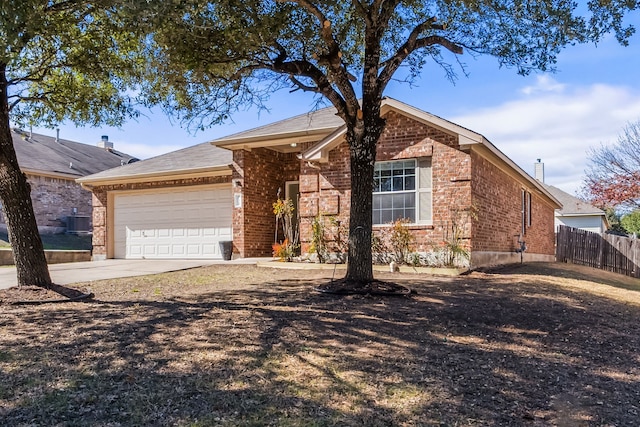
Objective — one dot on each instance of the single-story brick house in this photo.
(182, 204)
(52, 166)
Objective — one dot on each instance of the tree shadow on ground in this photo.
(474, 350)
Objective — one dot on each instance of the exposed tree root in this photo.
(355, 287)
(69, 294)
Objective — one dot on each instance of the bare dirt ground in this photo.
(531, 345)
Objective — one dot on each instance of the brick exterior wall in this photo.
(405, 138)
(327, 189)
(53, 201)
(101, 210)
(462, 179)
(498, 198)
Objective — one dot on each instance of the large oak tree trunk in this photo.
(15, 194)
(363, 139)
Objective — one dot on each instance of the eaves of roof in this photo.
(90, 182)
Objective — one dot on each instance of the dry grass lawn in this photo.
(532, 345)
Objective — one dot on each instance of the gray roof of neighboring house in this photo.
(572, 205)
(197, 157)
(41, 153)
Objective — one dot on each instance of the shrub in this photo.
(329, 241)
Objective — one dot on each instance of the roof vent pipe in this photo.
(58, 135)
(104, 143)
(538, 171)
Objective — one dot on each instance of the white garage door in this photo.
(185, 223)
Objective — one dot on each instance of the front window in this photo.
(402, 189)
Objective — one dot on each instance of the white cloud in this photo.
(544, 83)
(557, 123)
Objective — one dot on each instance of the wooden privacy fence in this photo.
(604, 251)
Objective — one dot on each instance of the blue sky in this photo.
(554, 117)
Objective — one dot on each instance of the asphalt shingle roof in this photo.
(199, 156)
(43, 153)
(572, 205)
(324, 118)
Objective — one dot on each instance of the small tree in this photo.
(328, 240)
(613, 171)
(631, 222)
(615, 226)
(284, 211)
(454, 247)
(401, 240)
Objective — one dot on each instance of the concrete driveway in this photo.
(75, 272)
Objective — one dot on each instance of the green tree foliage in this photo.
(211, 58)
(613, 218)
(631, 222)
(59, 59)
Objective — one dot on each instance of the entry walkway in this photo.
(75, 272)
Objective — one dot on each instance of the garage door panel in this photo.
(172, 224)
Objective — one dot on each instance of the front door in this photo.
(292, 191)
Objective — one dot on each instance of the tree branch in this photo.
(301, 86)
(332, 59)
(413, 43)
(360, 8)
(307, 69)
(387, 7)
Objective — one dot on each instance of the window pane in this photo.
(386, 216)
(398, 183)
(410, 200)
(398, 201)
(425, 206)
(410, 214)
(386, 202)
(410, 183)
(385, 184)
(425, 173)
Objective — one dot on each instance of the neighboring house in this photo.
(578, 214)
(52, 165)
(182, 203)
(574, 212)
